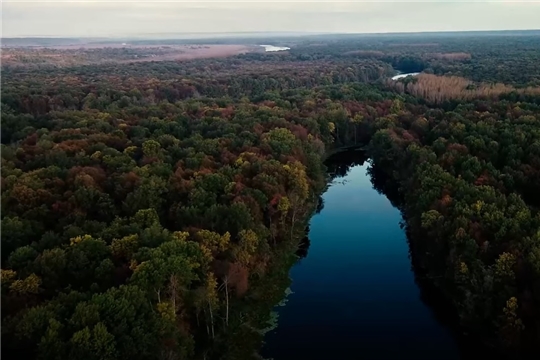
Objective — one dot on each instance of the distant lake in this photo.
(269, 48)
(354, 295)
(401, 76)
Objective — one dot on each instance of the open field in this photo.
(65, 55)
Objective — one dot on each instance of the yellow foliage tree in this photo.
(125, 247)
(28, 286)
(504, 266)
(79, 239)
(247, 246)
(213, 241)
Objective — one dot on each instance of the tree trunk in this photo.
(227, 303)
(206, 322)
(173, 289)
(293, 220)
(295, 205)
(272, 231)
(211, 319)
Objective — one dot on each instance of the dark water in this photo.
(354, 295)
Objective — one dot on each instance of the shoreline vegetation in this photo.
(152, 211)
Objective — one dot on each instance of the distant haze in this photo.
(124, 18)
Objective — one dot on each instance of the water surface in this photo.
(269, 48)
(401, 76)
(354, 295)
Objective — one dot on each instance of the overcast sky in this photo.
(129, 18)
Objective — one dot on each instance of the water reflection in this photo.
(384, 186)
(303, 246)
(339, 164)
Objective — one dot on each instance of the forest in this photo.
(153, 210)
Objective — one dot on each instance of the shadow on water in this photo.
(303, 246)
(339, 164)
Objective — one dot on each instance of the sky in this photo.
(99, 18)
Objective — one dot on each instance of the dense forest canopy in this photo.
(153, 209)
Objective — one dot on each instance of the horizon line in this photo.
(261, 32)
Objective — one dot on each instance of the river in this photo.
(272, 48)
(354, 295)
(401, 76)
